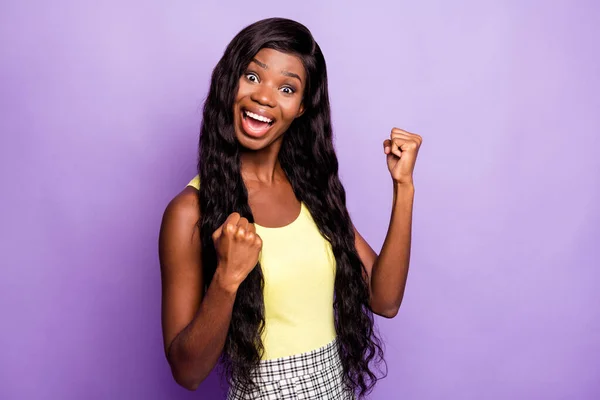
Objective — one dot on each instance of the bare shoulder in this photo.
(183, 210)
(179, 237)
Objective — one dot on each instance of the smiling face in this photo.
(269, 98)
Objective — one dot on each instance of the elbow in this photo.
(184, 375)
(388, 311)
(189, 385)
(185, 380)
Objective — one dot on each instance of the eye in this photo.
(288, 90)
(252, 77)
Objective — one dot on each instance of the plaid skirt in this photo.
(314, 375)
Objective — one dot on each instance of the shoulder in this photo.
(185, 204)
(182, 214)
(195, 183)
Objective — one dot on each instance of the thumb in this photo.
(217, 234)
(387, 144)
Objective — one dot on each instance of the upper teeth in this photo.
(258, 117)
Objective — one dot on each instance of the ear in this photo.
(300, 110)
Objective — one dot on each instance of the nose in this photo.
(264, 96)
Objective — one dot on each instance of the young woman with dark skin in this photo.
(196, 309)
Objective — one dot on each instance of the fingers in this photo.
(248, 236)
(240, 233)
(396, 147)
(217, 234)
(246, 225)
(230, 224)
(401, 140)
(405, 144)
(242, 227)
(393, 146)
(402, 134)
(257, 241)
(387, 144)
(242, 223)
(237, 227)
(247, 233)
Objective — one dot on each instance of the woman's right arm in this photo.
(194, 322)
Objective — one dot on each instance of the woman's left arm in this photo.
(388, 271)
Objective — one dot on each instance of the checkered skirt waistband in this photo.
(314, 375)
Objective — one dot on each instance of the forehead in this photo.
(277, 61)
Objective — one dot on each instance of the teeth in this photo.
(258, 117)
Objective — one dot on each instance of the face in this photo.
(269, 98)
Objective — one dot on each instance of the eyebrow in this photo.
(291, 75)
(263, 66)
(286, 73)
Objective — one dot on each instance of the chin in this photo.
(251, 143)
(254, 143)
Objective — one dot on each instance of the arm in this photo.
(194, 323)
(388, 271)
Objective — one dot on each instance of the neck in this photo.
(261, 165)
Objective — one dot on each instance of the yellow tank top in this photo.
(299, 272)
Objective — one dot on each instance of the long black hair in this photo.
(308, 158)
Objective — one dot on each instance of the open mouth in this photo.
(254, 124)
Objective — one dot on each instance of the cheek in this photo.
(291, 107)
(243, 90)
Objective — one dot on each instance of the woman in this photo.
(261, 265)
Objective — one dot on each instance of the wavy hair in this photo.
(308, 158)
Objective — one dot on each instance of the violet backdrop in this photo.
(99, 114)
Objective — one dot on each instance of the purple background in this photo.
(100, 108)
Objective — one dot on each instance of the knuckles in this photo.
(230, 229)
(413, 145)
(397, 132)
(239, 234)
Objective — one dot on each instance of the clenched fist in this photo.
(401, 150)
(238, 247)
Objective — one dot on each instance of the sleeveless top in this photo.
(299, 273)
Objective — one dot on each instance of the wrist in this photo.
(223, 282)
(403, 193)
(404, 188)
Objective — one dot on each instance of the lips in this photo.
(255, 122)
(258, 113)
